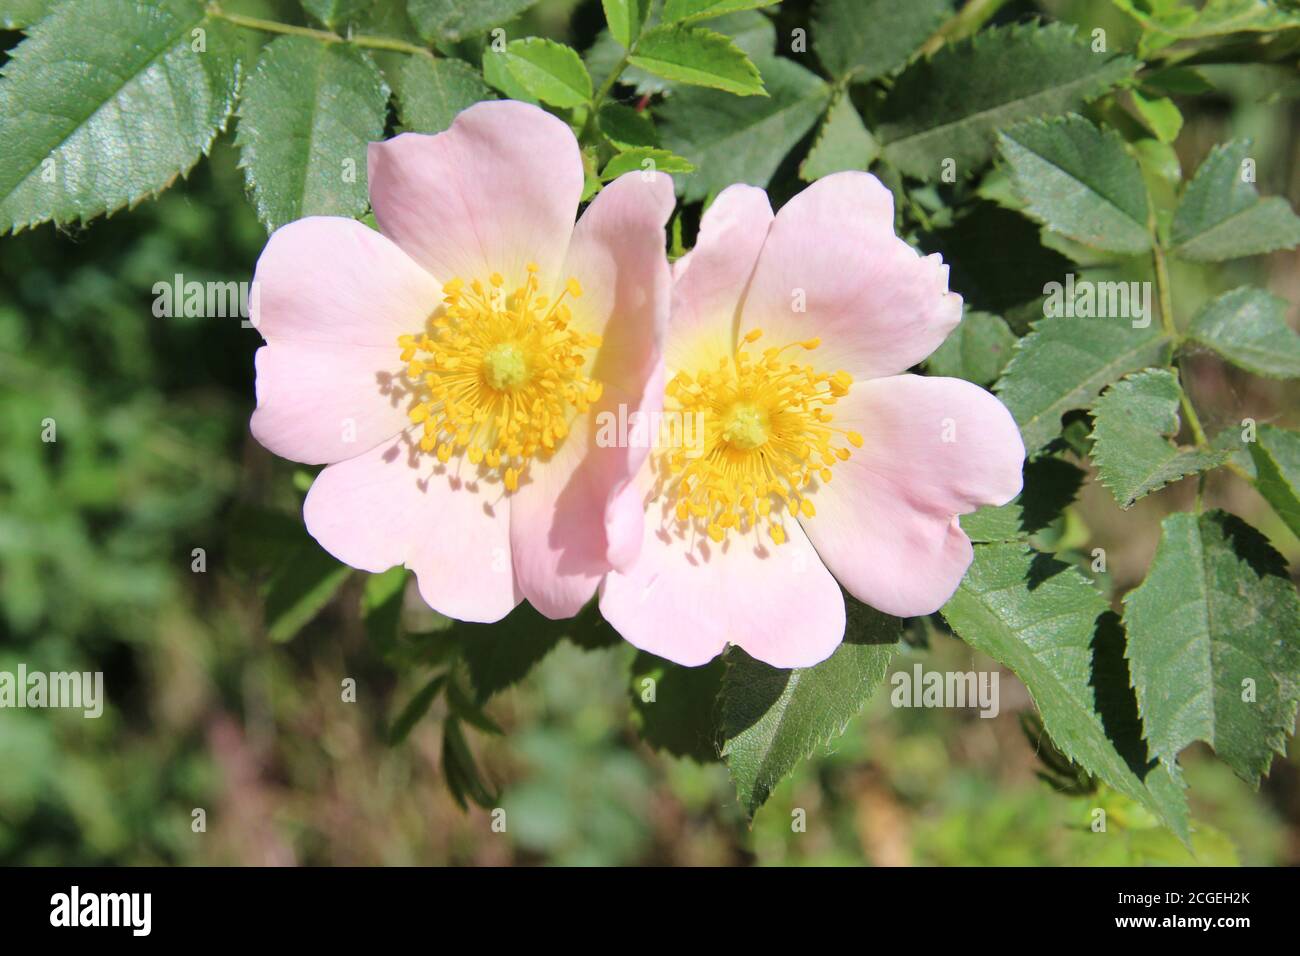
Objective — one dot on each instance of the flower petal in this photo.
(932, 448)
(707, 295)
(684, 603)
(331, 297)
(389, 506)
(571, 518)
(832, 268)
(497, 190)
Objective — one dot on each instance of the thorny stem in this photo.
(324, 36)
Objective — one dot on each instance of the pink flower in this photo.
(447, 367)
(819, 461)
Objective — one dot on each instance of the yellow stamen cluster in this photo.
(768, 440)
(499, 376)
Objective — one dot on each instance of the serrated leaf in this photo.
(300, 589)
(678, 11)
(625, 127)
(1276, 454)
(843, 143)
(430, 92)
(1043, 620)
(455, 20)
(1160, 115)
(498, 75)
(625, 18)
(460, 771)
(1079, 181)
(1214, 643)
(1064, 363)
(749, 30)
(647, 160)
(1248, 328)
(105, 104)
(680, 717)
(772, 718)
(1221, 215)
(864, 39)
(1050, 485)
(307, 115)
(1133, 423)
(699, 57)
(335, 13)
(951, 105)
(977, 350)
(1214, 18)
(733, 140)
(415, 708)
(549, 71)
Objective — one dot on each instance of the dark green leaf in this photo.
(1050, 485)
(1248, 327)
(977, 350)
(682, 717)
(307, 115)
(415, 708)
(1276, 453)
(627, 128)
(1214, 643)
(430, 92)
(298, 591)
(842, 143)
(106, 103)
(864, 39)
(462, 19)
(951, 105)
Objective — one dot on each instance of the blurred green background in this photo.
(153, 460)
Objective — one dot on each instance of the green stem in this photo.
(964, 23)
(1165, 295)
(599, 96)
(324, 36)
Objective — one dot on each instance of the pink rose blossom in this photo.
(822, 464)
(447, 368)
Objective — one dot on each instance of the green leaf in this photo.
(430, 92)
(842, 143)
(977, 350)
(335, 13)
(1160, 115)
(300, 589)
(497, 73)
(20, 14)
(951, 105)
(500, 654)
(1043, 620)
(772, 718)
(625, 19)
(733, 140)
(1050, 485)
(645, 159)
(306, 117)
(700, 57)
(625, 127)
(462, 19)
(678, 11)
(1064, 363)
(1133, 423)
(1214, 18)
(1214, 643)
(1079, 181)
(381, 607)
(1248, 327)
(1276, 454)
(864, 39)
(549, 71)
(1222, 217)
(105, 104)
(460, 770)
(415, 708)
(675, 707)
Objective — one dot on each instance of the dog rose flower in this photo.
(447, 368)
(820, 464)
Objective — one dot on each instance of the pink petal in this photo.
(331, 297)
(885, 523)
(707, 295)
(878, 306)
(685, 603)
(571, 517)
(497, 190)
(390, 506)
